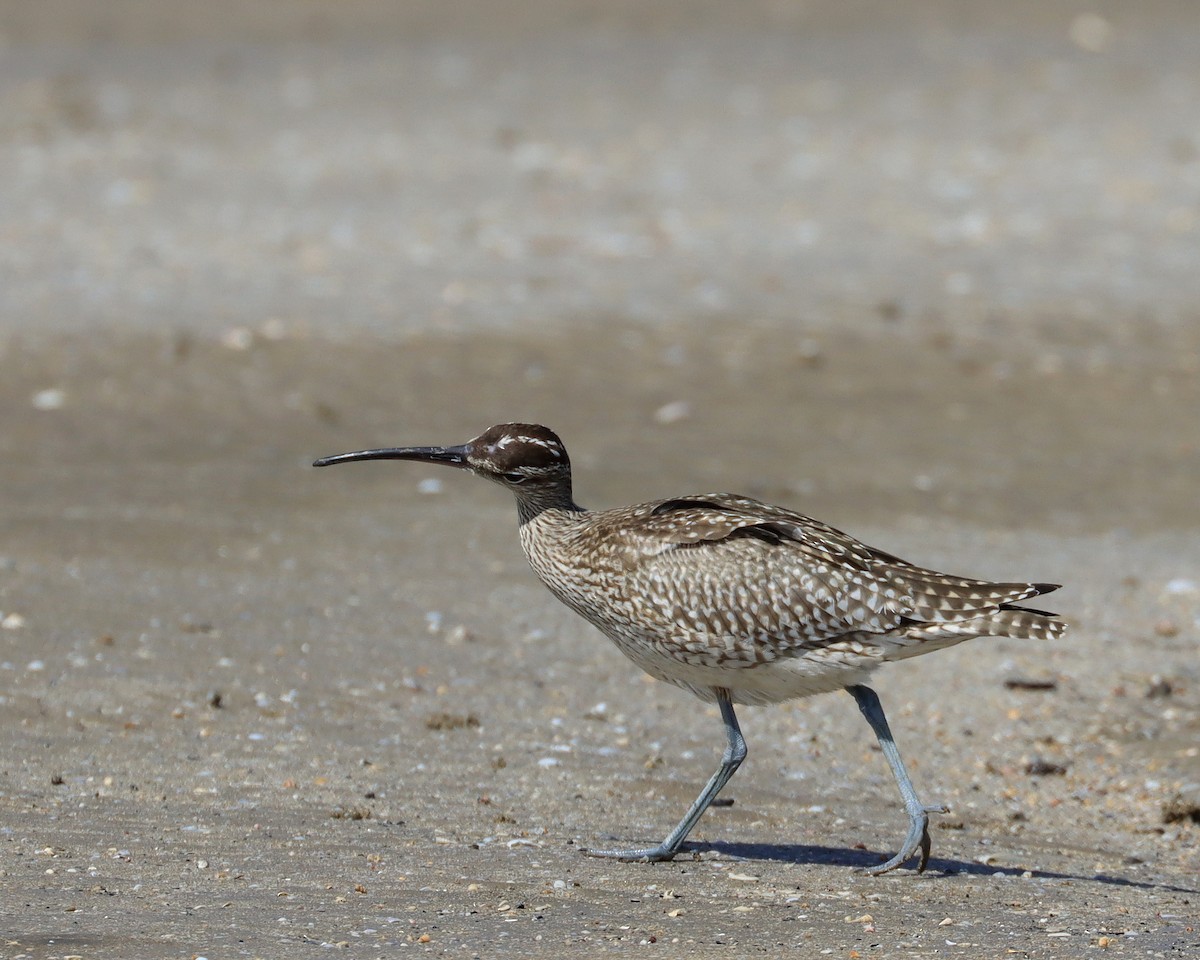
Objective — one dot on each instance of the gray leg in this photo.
(918, 814)
(735, 753)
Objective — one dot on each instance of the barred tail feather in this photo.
(1018, 623)
(936, 600)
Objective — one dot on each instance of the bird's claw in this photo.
(917, 840)
(657, 854)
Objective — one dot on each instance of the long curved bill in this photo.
(451, 456)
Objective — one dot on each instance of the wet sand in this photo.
(254, 709)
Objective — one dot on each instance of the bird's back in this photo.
(707, 586)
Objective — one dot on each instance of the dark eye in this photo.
(514, 477)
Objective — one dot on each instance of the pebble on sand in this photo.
(51, 398)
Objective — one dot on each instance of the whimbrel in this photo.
(735, 600)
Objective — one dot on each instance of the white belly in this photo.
(787, 678)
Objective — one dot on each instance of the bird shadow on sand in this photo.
(937, 868)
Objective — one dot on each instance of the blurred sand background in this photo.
(925, 270)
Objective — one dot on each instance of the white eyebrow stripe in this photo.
(549, 445)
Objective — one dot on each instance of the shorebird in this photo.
(735, 600)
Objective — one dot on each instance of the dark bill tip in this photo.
(452, 456)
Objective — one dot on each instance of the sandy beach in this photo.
(924, 271)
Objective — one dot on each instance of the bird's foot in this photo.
(646, 855)
(916, 840)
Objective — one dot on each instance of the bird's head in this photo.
(519, 456)
(527, 458)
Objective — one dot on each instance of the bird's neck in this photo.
(533, 503)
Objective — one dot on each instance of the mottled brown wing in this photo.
(769, 580)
